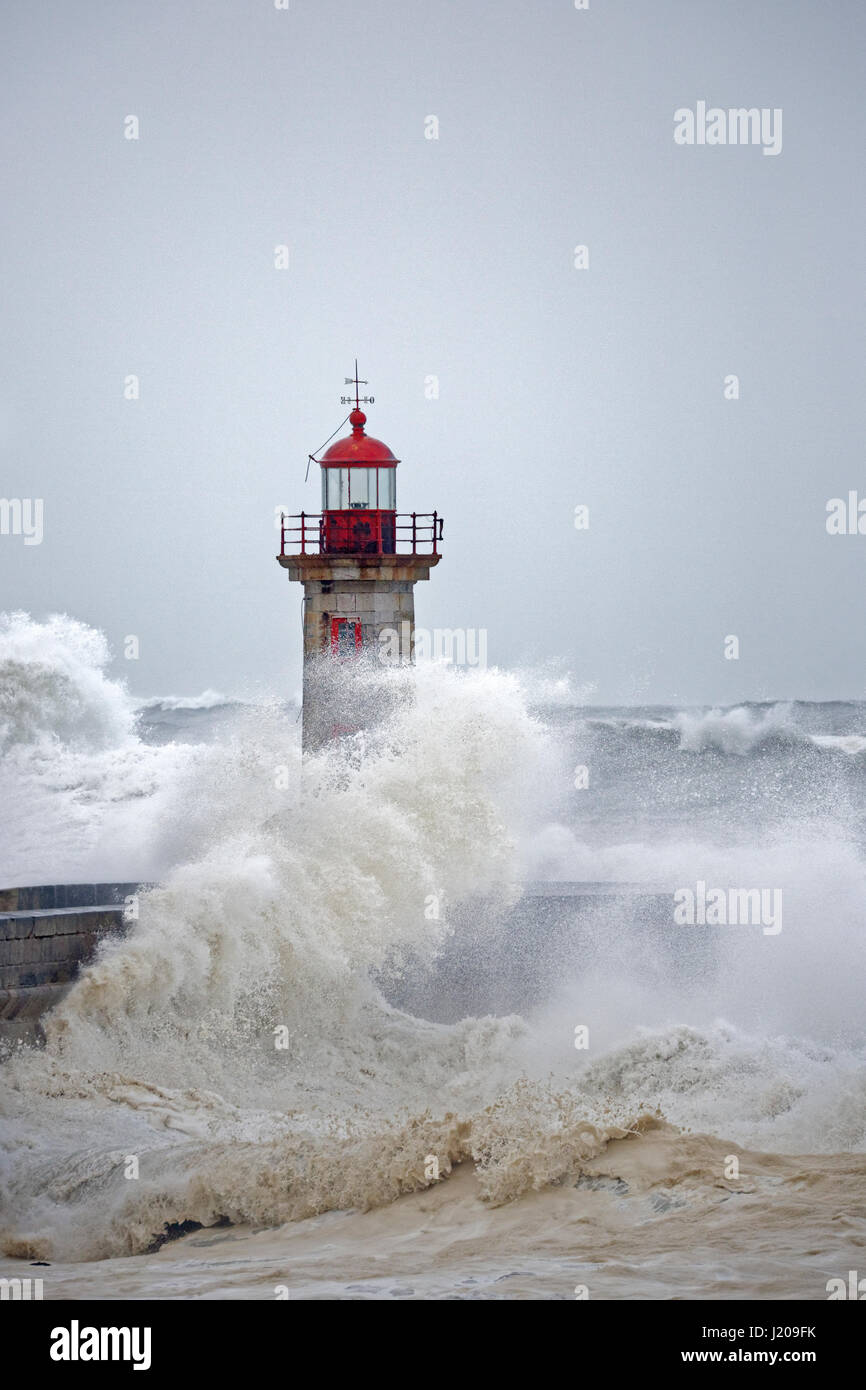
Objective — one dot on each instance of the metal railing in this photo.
(385, 533)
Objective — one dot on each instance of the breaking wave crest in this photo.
(53, 687)
(736, 732)
(208, 699)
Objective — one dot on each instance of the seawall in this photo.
(555, 931)
(46, 932)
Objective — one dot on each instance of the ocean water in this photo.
(235, 1100)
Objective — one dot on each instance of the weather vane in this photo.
(357, 383)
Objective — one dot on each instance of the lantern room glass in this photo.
(362, 488)
(335, 489)
(368, 489)
(387, 489)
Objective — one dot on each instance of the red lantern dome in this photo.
(359, 493)
(358, 447)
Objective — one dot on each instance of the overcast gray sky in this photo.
(455, 258)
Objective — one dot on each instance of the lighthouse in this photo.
(359, 560)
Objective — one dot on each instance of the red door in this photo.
(345, 637)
